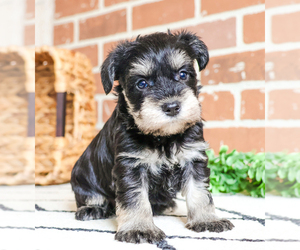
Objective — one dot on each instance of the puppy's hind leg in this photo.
(93, 208)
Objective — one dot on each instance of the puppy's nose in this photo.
(171, 109)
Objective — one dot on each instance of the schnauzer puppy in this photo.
(152, 146)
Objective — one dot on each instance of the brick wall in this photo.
(29, 28)
(282, 75)
(233, 96)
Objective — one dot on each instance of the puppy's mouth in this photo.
(172, 115)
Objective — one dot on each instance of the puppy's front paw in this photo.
(213, 226)
(141, 236)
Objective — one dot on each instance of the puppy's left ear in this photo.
(199, 48)
(111, 67)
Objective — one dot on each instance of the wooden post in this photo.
(60, 114)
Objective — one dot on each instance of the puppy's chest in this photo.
(155, 160)
(165, 167)
(169, 158)
(159, 161)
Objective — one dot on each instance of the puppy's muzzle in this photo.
(171, 109)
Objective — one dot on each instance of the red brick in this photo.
(63, 33)
(275, 3)
(241, 139)
(234, 68)
(91, 52)
(103, 25)
(282, 139)
(112, 2)
(218, 34)
(108, 108)
(253, 104)
(285, 28)
(29, 35)
(254, 28)
(108, 47)
(210, 7)
(284, 104)
(217, 106)
(283, 65)
(99, 86)
(98, 119)
(161, 12)
(30, 9)
(70, 7)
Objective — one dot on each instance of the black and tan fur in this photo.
(152, 146)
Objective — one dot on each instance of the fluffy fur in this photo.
(148, 151)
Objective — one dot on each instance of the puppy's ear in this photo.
(108, 73)
(111, 67)
(199, 48)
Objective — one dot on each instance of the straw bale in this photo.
(59, 70)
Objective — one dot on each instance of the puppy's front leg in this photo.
(201, 209)
(134, 213)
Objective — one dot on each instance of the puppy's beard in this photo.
(151, 119)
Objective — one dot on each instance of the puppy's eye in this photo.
(183, 75)
(142, 84)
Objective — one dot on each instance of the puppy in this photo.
(152, 146)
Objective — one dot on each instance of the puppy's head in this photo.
(158, 80)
